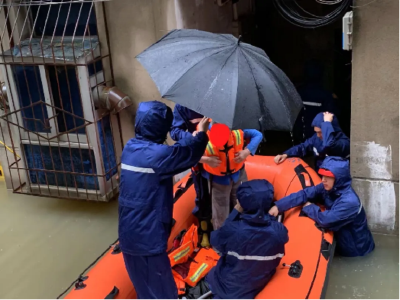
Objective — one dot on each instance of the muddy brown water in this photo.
(46, 243)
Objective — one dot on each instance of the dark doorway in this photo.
(290, 47)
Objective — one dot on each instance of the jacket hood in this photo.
(256, 198)
(340, 168)
(319, 119)
(153, 121)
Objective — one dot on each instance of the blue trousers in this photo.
(151, 276)
(198, 189)
(209, 286)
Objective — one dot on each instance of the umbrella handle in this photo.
(239, 39)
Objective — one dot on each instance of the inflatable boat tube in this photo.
(304, 268)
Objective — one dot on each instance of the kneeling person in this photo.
(344, 213)
(251, 244)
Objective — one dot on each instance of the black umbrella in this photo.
(220, 77)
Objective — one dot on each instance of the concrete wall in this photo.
(375, 112)
(203, 15)
(135, 25)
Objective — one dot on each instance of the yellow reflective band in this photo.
(181, 254)
(198, 273)
(210, 148)
(237, 136)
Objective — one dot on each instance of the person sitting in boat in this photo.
(224, 167)
(251, 243)
(146, 197)
(328, 140)
(344, 212)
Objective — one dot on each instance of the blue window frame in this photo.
(96, 67)
(60, 159)
(66, 98)
(107, 146)
(29, 88)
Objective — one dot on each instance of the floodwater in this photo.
(375, 276)
(46, 243)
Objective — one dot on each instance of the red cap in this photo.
(325, 172)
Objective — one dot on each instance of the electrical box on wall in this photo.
(347, 32)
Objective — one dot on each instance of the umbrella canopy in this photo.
(223, 78)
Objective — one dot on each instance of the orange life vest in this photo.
(201, 262)
(226, 154)
(199, 267)
(180, 284)
(187, 246)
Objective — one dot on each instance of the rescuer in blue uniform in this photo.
(251, 244)
(146, 197)
(328, 140)
(344, 212)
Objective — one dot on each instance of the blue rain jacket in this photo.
(185, 122)
(334, 142)
(344, 212)
(251, 245)
(146, 184)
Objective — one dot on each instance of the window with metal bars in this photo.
(64, 87)
(30, 91)
(57, 160)
(63, 114)
(64, 19)
(66, 141)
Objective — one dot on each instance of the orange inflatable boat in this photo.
(304, 268)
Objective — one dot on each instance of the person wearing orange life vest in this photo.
(224, 168)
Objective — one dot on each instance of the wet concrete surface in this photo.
(46, 243)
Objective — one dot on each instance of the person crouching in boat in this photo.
(146, 197)
(224, 167)
(344, 212)
(251, 243)
(328, 140)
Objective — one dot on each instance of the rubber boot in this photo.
(205, 242)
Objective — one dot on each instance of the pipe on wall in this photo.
(111, 99)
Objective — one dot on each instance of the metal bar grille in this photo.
(53, 65)
(47, 2)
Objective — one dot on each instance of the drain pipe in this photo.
(111, 99)
(3, 97)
